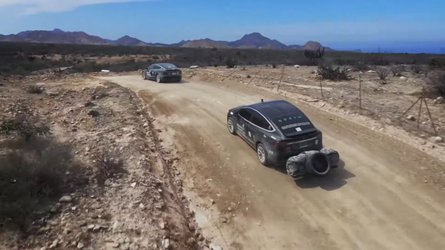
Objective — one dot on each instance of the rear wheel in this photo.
(158, 78)
(262, 154)
(231, 125)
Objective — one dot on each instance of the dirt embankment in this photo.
(128, 198)
(386, 195)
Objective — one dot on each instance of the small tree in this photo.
(230, 63)
(383, 74)
(314, 53)
(327, 72)
(397, 70)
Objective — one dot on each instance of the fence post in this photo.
(321, 89)
(360, 90)
(281, 78)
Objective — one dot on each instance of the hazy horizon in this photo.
(385, 26)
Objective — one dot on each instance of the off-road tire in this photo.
(158, 78)
(231, 125)
(262, 154)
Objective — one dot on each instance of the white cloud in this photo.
(30, 7)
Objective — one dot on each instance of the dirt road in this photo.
(379, 199)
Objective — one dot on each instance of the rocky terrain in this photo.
(130, 196)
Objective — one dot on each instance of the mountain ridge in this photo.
(253, 40)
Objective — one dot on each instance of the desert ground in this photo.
(386, 195)
(189, 184)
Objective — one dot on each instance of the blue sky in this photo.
(355, 24)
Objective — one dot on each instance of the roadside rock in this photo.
(66, 199)
(411, 118)
(93, 113)
(80, 245)
(439, 100)
(437, 139)
(166, 243)
(215, 247)
(54, 244)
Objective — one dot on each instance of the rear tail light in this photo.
(282, 146)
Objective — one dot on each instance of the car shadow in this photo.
(335, 179)
(172, 82)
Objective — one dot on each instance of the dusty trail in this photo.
(377, 200)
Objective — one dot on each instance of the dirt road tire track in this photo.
(377, 199)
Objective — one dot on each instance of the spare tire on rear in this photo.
(296, 166)
(333, 157)
(317, 163)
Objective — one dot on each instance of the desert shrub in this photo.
(360, 66)
(108, 165)
(382, 73)
(397, 70)
(436, 84)
(230, 63)
(87, 67)
(31, 176)
(437, 63)
(24, 126)
(417, 69)
(35, 89)
(338, 73)
(344, 61)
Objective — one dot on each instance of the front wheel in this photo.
(158, 78)
(144, 75)
(262, 154)
(231, 125)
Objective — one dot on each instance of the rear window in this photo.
(168, 66)
(292, 125)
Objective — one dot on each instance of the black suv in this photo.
(277, 130)
(162, 72)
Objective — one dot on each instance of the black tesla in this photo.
(162, 72)
(277, 130)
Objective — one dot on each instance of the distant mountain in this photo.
(296, 47)
(257, 41)
(250, 41)
(130, 41)
(205, 43)
(55, 36)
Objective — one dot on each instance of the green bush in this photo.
(328, 72)
(230, 63)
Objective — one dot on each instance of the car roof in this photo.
(275, 109)
(167, 65)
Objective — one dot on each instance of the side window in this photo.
(259, 120)
(245, 113)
